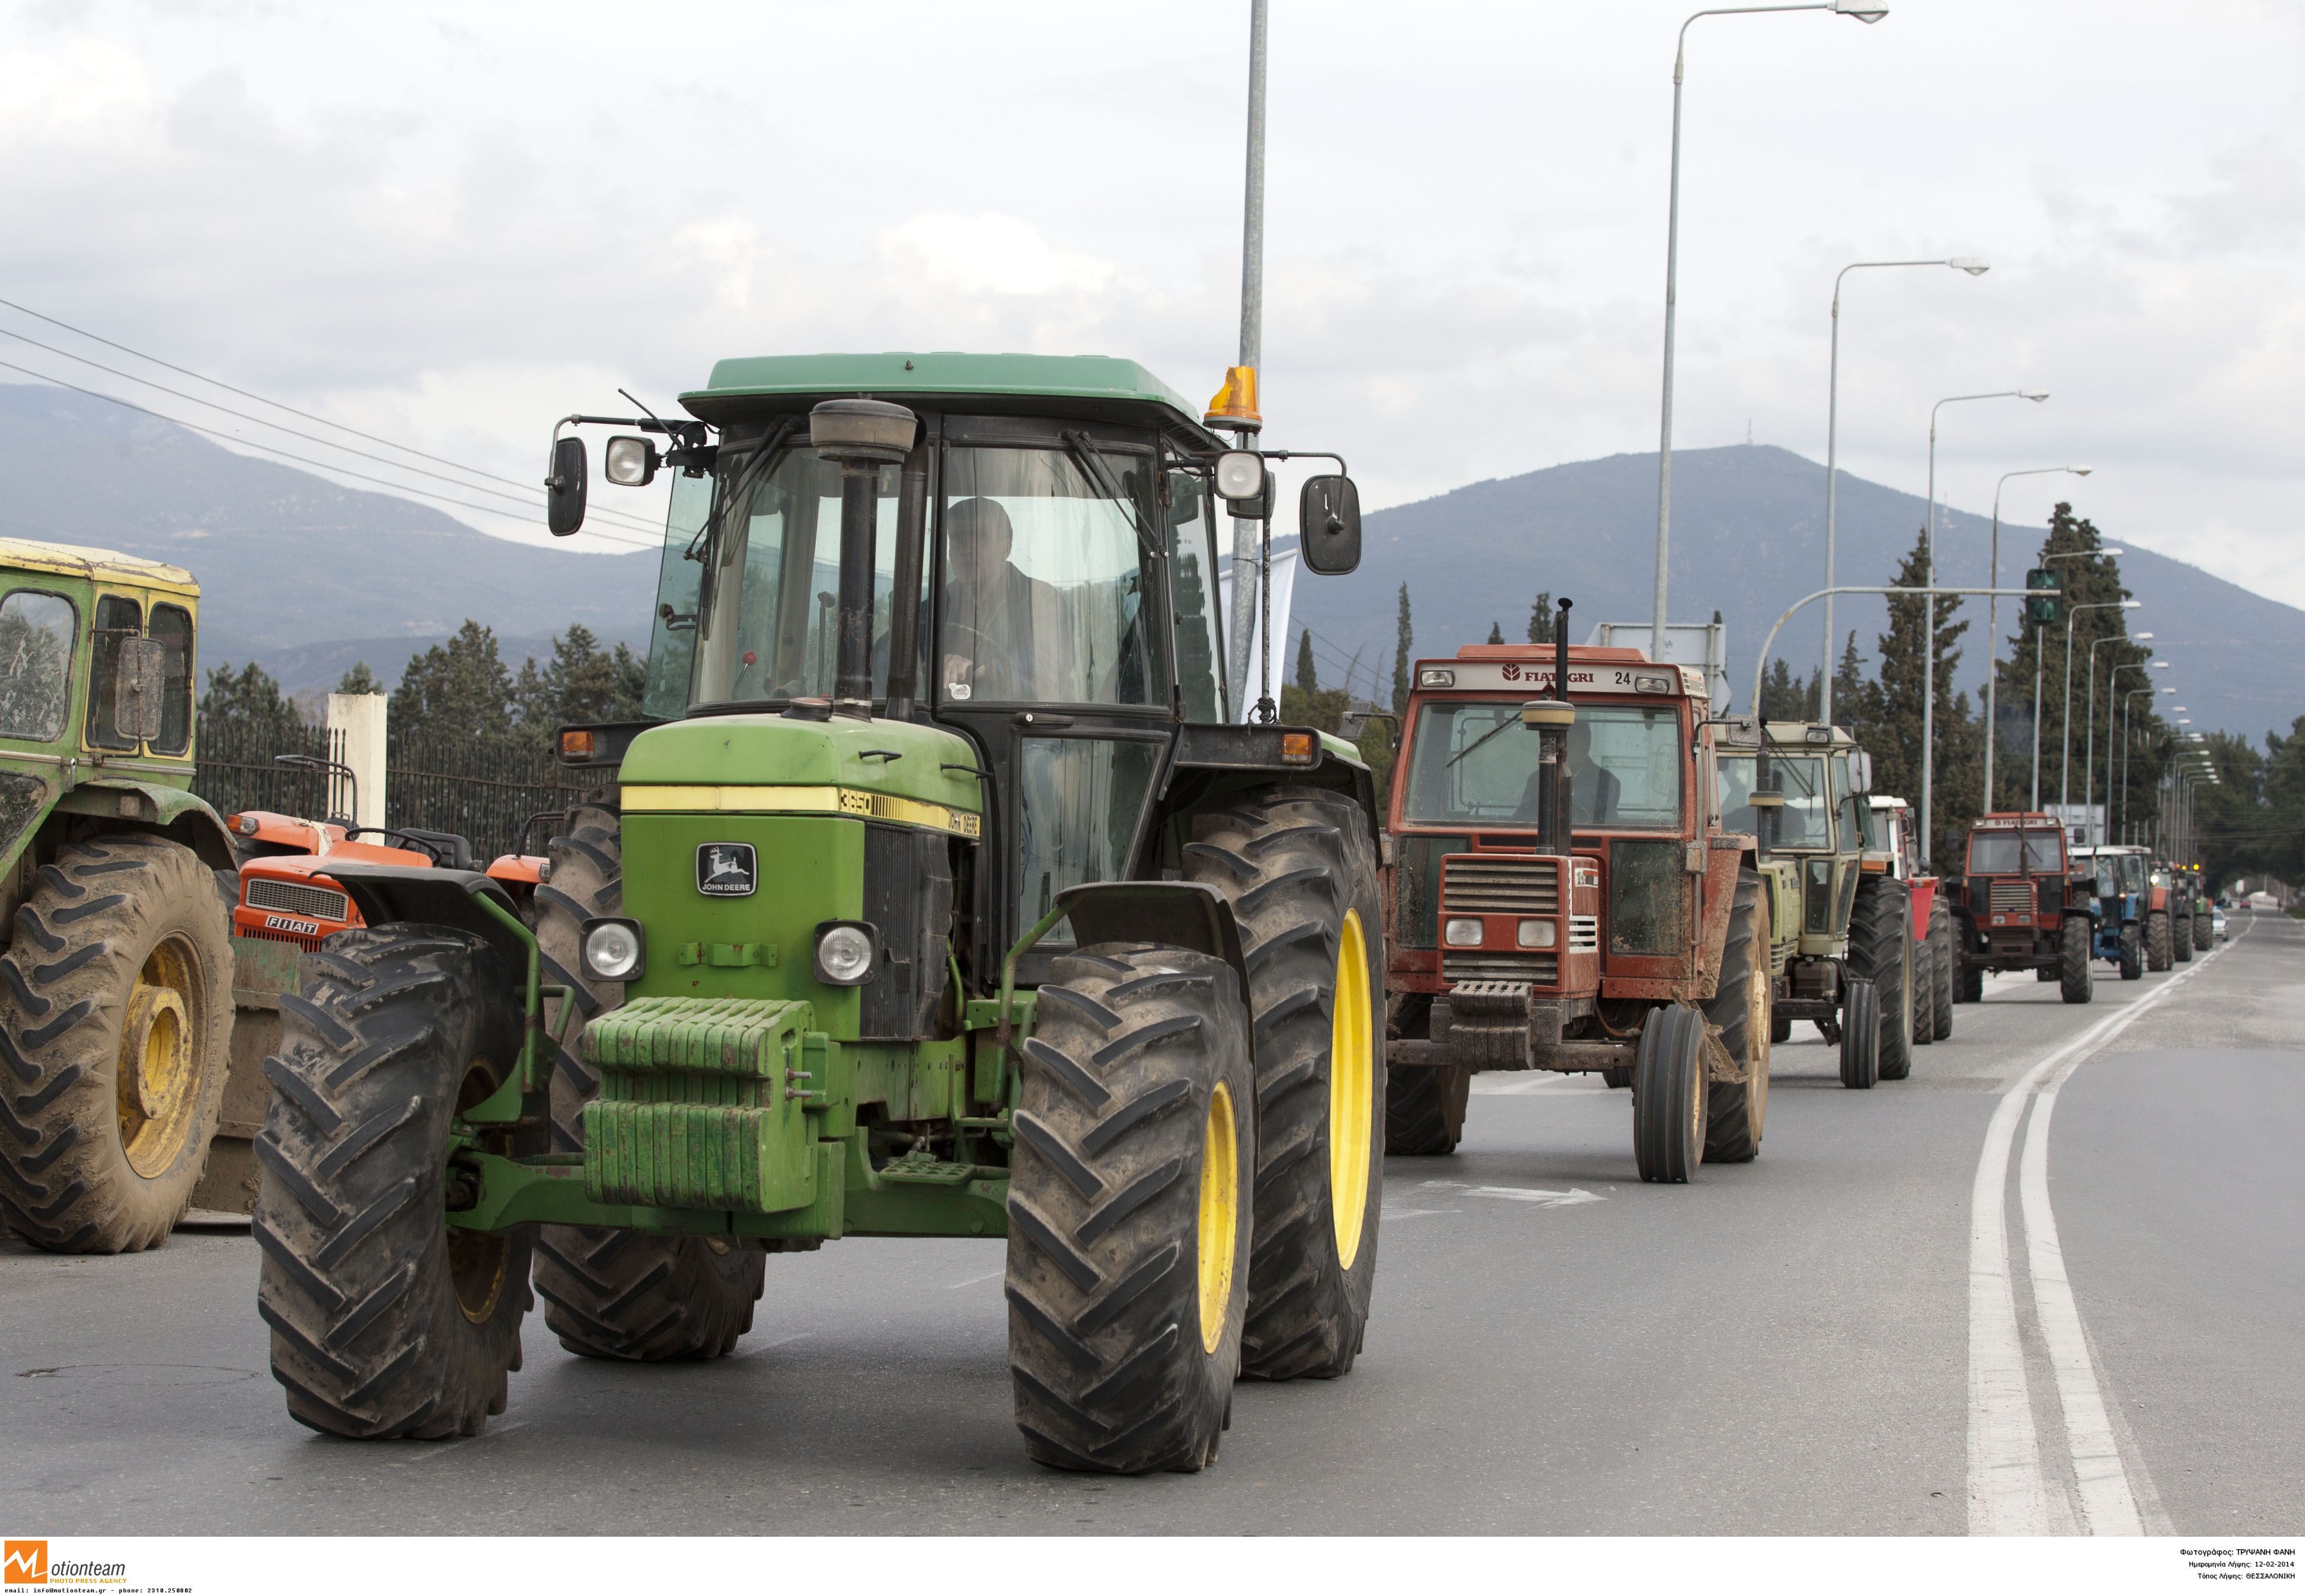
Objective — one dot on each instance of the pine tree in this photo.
(2091, 582)
(1786, 697)
(360, 679)
(1496, 633)
(459, 689)
(1308, 678)
(1541, 618)
(1894, 739)
(1404, 647)
(250, 699)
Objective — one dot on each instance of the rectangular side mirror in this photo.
(1328, 525)
(1861, 772)
(137, 696)
(564, 488)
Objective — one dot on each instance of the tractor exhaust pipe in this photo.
(1550, 718)
(860, 435)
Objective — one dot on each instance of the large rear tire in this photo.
(1880, 952)
(2076, 973)
(1669, 1095)
(1860, 1036)
(2203, 931)
(1130, 1210)
(2132, 953)
(1299, 865)
(620, 1294)
(116, 1024)
(1925, 991)
(2181, 939)
(2156, 940)
(386, 1320)
(1743, 1009)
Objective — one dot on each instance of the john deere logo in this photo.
(726, 870)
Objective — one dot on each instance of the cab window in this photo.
(117, 620)
(171, 629)
(2045, 853)
(36, 651)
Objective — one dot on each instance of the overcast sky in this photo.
(452, 224)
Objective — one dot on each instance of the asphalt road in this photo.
(1804, 1344)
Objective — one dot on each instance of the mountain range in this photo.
(306, 577)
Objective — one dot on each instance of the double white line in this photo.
(2008, 1488)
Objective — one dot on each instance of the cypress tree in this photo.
(1306, 677)
(1404, 648)
(1540, 619)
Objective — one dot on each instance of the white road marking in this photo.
(1568, 1199)
(2008, 1491)
(977, 1280)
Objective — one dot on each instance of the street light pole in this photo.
(2065, 764)
(1864, 10)
(2104, 831)
(1247, 535)
(1993, 622)
(2125, 741)
(2088, 761)
(1966, 263)
(1929, 611)
(2040, 647)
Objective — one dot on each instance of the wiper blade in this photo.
(772, 445)
(1477, 742)
(1093, 468)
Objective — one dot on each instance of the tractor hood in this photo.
(889, 759)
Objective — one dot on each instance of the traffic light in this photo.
(2045, 595)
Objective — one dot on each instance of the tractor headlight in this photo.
(1538, 933)
(613, 949)
(1462, 933)
(844, 953)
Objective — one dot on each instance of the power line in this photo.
(303, 460)
(527, 502)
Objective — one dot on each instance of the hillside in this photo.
(1749, 540)
(306, 577)
(291, 565)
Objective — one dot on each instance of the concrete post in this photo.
(359, 716)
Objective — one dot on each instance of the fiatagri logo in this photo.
(26, 1562)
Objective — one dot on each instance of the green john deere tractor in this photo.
(128, 1095)
(943, 896)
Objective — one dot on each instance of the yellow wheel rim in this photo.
(1352, 1083)
(1220, 1226)
(158, 1073)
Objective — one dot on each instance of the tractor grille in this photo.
(1537, 969)
(1501, 884)
(2012, 898)
(294, 897)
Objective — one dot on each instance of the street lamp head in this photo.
(2161, 664)
(1864, 10)
(2141, 637)
(2035, 395)
(2130, 603)
(1970, 263)
(2080, 471)
(2110, 553)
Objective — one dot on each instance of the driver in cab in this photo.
(996, 619)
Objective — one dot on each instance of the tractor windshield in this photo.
(1805, 820)
(2009, 854)
(1476, 762)
(1046, 578)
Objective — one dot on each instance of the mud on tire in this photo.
(115, 1031)
(620, 1294)
(386, 1321)
(1742, 1007)
(1135, 1145)
(1300, 867)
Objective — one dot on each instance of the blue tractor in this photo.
(2120, 874)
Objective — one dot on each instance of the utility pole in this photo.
(1247, 536)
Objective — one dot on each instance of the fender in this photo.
(176, 811)
(1181, 914)
(400, 894)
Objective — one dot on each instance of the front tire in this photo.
(2132, 954)
(1669, 1095)
(2181, 939)
(1880, 952)
(620, 1294)
(115, 1024)
(386, 1320)
(1300, 866)
(2203, 931)
(2076, 975)
(1130, 1211)
(1941, 960)
(1424, 1109)
(1860, 1036)
(1743, 1009)
(2156, 940)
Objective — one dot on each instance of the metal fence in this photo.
(485, 790)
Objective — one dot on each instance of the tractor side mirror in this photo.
(1861, 772)
(564, 487)
(630, 462)
(1328, 525)
(137, 692)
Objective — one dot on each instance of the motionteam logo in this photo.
(24, 1562)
